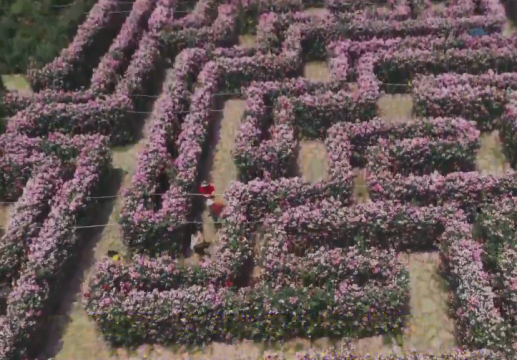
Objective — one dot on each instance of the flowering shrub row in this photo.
(47, 251)
(508, 130)
(114, 63)
(331, 27)
(476, 97)
(400, 66)
(425, 155)
(220, 33)
(106, 75)
(355, 49)
(297, 110)
(70, 70)
(108, 117)
(491, 21)
(148, 222)
(478, 322)
(335, 354)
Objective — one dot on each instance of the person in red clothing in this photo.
(215, 208)
(207, 189)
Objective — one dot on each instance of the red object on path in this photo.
(216, 208)
(206, 190)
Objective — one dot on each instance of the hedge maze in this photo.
(291, 258)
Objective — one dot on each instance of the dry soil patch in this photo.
(490, 159)
(316, 71)
(395, 108)
(312, 160)
(247, 41)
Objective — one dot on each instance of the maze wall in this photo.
(328, 263)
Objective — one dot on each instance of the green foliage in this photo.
(32, 33)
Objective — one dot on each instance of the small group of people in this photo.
(215, 207)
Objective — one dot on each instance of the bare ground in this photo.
(220, 161)
(316, 11)
(247, 40)
(395, 108)
(360, 189)
(73, 335)
(316, 71)
(312, 160)
(491, 159)
(5, 214)
(429, 328)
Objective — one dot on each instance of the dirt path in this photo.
(5, 214)
(490, 159)
(395, 108)
(220, 161)
(316, 71)
(429, 327)
(312, 160)
(73, 333)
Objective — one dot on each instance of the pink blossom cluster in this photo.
(219, 33)
(60, 73)
(478, 97)
(330, 26)
(114, 63)
(335, 354)
(41, 241)
(396, 66)
(355, 49)
(450, 152)
(108, 117)
(203, 15)
(478, 321)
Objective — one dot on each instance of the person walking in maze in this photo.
(215, 208)
(207, 190)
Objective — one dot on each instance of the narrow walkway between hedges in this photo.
(429, 327)
(73, 334)
(219, 163)
(5, 214)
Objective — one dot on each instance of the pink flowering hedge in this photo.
(110, 117)
(72, 68)
(451, 147)
(221, 32)
(330, 27)
(182, 172)
(476, 97)
(117, 58)
(346, 354)
(301, 107)
(41, 243)
(147, 221)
